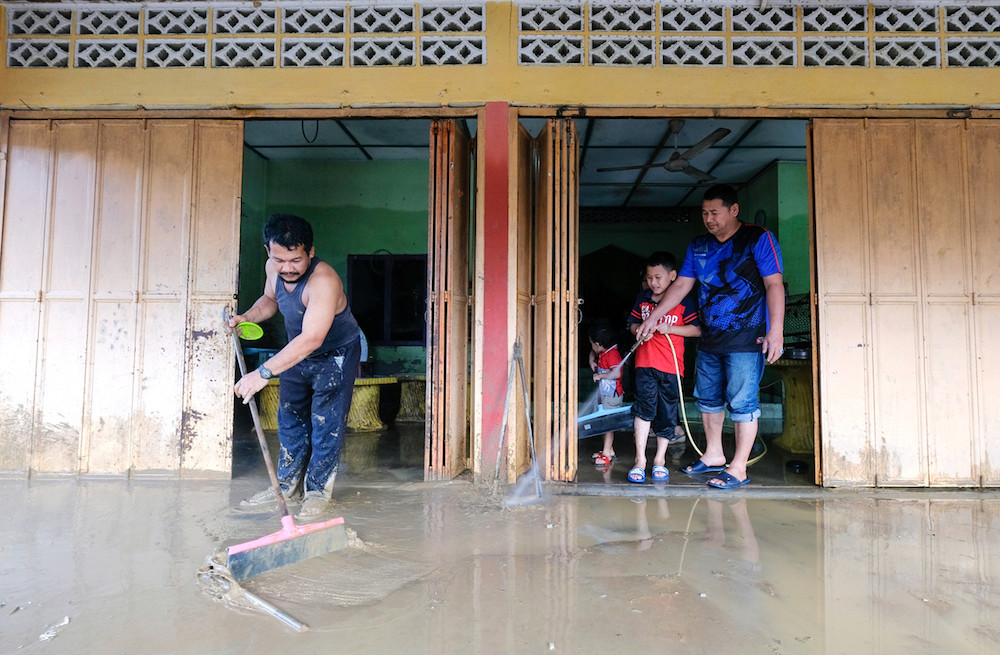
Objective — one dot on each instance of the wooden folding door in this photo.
(447, 427)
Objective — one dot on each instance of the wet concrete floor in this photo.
(110, 566)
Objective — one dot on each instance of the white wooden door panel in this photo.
(66, 299)
(950, 410)
(846, 389)
(984, 205)
(941, 169)
(207, 420)
(988, 372)
(26, 202)
(892, 213)
(841, 225)
(899, 432)
(112, 329)
(163, 289)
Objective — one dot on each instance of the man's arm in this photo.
(774, 339)
(265, 307)
(675, 294)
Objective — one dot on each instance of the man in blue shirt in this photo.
(741, 305)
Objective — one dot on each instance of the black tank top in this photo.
(344, 329)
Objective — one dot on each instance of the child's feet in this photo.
(602, 459)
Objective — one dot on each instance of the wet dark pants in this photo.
(315, 397)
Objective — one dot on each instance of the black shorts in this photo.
(656, 400)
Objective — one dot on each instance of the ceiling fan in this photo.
(681, 162)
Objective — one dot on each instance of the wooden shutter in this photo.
(448, 295)
(556, 304)
(906, 231)
(120, 251)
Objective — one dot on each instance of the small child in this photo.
(656, 376)
(605, 362)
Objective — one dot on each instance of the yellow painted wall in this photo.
(500, 79)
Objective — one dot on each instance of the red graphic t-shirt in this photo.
(655, 353)
(606, 361)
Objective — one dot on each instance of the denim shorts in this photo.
(729, 381)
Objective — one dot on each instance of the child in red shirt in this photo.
(656, 377)
(605, 362)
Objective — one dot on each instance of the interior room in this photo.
(363, 183)
(641, 184)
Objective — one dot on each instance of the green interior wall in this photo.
(793, 225)
(354, 208)
(253, 213)
(782, 192)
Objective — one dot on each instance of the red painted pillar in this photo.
(495, 141)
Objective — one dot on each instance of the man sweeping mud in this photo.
(317, 367)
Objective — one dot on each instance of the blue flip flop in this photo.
(637, 475)
(661, 474)
(728, 481)
(699, 467)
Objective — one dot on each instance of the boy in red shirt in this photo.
(605, 362)
(656, 377)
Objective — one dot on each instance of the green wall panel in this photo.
(354, 208)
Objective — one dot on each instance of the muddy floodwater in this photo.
(112, 566)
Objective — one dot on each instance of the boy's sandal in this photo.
(661, 474)
(637, 475)
(600, 459)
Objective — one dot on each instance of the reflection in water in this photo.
(749, 550)
(446, 568)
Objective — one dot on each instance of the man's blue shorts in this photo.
(729, 381)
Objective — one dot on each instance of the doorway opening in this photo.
(641, 182)
(363, 185)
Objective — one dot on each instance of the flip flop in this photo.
(661, 474)
(699, 467)
(728, 481)
(637, 475)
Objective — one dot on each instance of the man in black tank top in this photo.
(317, 367)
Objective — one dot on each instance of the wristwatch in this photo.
(265, 372)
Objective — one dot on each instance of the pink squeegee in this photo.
(292, 543)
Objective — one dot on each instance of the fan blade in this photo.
(629, 168)
(705, 143)
(697, 174)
